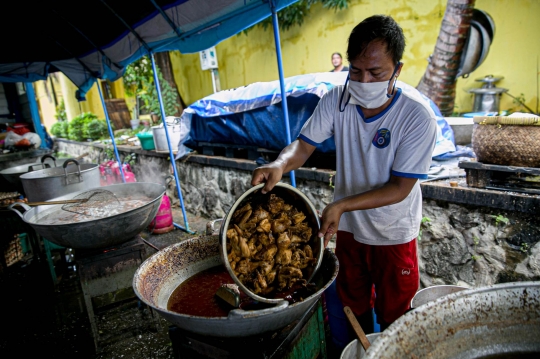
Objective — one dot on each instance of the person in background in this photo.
(337, 62)
(384, 140)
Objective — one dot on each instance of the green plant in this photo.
(97, 129)
(423, 224)
(500, 219)
(60, 129)
(476, 240)
(109, 153)
(296, 13)
(61, 111)
(130, 159)
(331, 179)
(78, 126)
(520, 102)
(139, 82)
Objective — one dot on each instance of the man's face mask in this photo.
(370, 95)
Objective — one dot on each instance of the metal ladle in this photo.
(357, 328)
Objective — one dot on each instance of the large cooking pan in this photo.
(158, 276)
(498, 321)
(102, 232)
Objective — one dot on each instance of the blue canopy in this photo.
(98, 39)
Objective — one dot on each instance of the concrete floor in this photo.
(52, 320)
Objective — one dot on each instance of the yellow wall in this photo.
(514, 53)
(245, 59)
(45, 100)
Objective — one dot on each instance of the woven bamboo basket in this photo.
(507, 141)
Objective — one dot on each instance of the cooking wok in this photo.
(158, 276)
(497, 321)
(102, 232)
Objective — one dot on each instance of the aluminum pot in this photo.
(501, 320)
(13, 174)
(158, 276)
(355, 350)
(292, 196)
(48, 183)
(102, 232)
(433, 292)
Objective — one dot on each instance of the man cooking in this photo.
(384, 142)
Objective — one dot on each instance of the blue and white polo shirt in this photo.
(398, 141)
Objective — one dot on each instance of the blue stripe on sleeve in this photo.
(304, 138)
(409, 175)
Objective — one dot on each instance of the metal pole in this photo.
(34, 112)
(171, 155)
(213, 80)
(281, 79)
(111, 134)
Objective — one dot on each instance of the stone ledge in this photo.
(321, 175)
(510, 201)
(437, 190)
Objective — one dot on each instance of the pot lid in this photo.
(489, 79)
(486, 90)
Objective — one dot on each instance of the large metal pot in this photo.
(158, 276)
(102, 232)
(13, 174)
(48, 183)
(292, 196)
(498, 320)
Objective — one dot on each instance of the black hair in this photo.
(336, 53)
(377, 27)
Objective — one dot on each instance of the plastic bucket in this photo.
(163, 222)
(147, 140)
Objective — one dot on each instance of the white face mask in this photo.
(369, 95)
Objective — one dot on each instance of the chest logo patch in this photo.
(381, 138)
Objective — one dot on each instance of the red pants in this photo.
(383, 277)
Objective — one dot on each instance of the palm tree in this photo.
(439, 80)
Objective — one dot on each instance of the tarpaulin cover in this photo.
(252, 115)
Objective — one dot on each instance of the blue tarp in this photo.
(252, 115)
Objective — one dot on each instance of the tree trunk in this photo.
(439, 80)
(163, 61)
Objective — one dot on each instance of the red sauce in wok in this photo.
(196, 295)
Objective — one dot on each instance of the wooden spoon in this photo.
(357, 328)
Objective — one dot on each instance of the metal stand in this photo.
(106, 278)
(303, 339)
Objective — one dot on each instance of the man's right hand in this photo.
(290, 158)
(270, 174)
